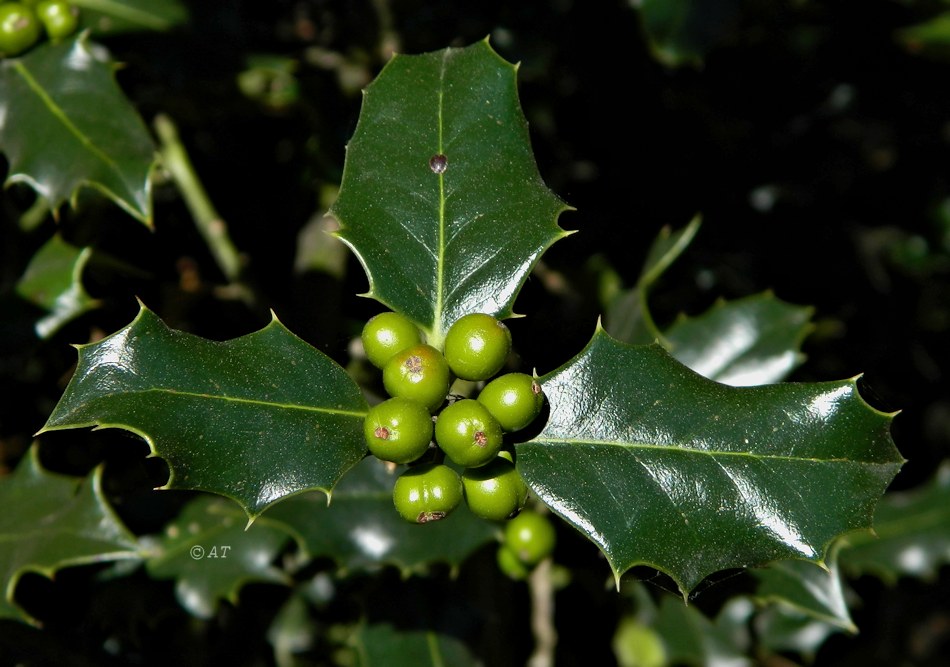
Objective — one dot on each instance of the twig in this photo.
(541, 587)
(209, 223)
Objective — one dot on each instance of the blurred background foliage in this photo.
(812, 136)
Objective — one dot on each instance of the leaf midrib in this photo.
(681, 449)
(436, 335)
(60, 115)
(251, 401)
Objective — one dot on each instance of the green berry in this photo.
(386, 334)
(494, 491)
(514, 399)
(19, 28)
(509, 564)
(59, 18)
(531, 537)
(398, 430)
(476, 346)
(420, 373)
(468, 434)
(427, 492)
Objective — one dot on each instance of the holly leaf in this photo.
(750, 341)
(660, 466)
(65, 125)
(257, 418)
(441, 199)
(807, 589)
(911, 534)
(382, 644)
(781, 628)
(361, 530)
(54, 521)
(211, 554)
(53, 281)
(692, 639)
(628, 317)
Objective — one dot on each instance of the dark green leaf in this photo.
(361, 528)
(381, 645)
(660, 466)
(117, 16)
(53, 521)
(751, 341)
(53, 281)
(808, 589)
(782, 628)
(438, 243)
(66, 125)
(257, 418)
(210, 554)
(911, 534)
(692, 639)
(628, 316)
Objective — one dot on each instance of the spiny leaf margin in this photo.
(656, 504)
(437, 244)
(262, 417)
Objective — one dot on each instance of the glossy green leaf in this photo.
(257, 418)
(440, 238)
(807, 588)
(382, 645)
(65, 125)
(53, 281)
(627, 317)
(692, 639)
(362, 530)
(54, 521)
(117, 16)
(911, 534)
(660, 466)
(211, 554)
(682, 32)
(750, 341)
(755, 340)
(785, 629)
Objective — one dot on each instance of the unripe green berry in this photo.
(514, 399)
(386, 334)
(531, 537)
(420, 373)
(468, 434)
(59, 18)
(398, 430)
(510, 565)
(494, 491)
(19, 28)
(427, 492)
(476, 346)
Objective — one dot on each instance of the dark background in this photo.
(811, 139)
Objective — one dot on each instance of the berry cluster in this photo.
(469, 432)
(24, 23)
